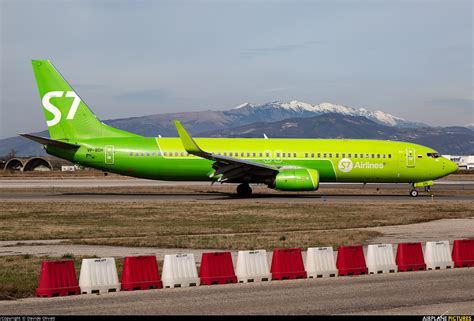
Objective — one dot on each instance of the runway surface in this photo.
(426, 293)
(44, 190)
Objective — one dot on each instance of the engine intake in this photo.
(298, 179)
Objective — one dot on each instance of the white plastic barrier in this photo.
(438, 255)
(99, 276)
(380, 259)
(320, 262)
(252, 266)
(179, 270)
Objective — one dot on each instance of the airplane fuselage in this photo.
(336, 160)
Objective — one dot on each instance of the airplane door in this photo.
(410, 157)
(109, 154)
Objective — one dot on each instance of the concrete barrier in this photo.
(287, 264)
(320, 262)
(140, 273)
(179, 270)
(380, 259)
(57, 278)
(252, 266)
(438, 255)
(99, 276)
(351, 261)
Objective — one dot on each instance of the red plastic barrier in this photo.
(410, 257)
(140, 273)
(217, 268)
(463, 253)
(57, 278)
(351, 260)
(287, 264)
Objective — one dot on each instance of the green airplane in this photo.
(282, 164)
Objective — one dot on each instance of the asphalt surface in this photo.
(427, 293)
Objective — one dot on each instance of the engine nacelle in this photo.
(298, 179)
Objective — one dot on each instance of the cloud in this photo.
(267, 51)
(277, 89)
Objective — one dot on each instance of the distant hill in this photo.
(446, 140)
(203, 123)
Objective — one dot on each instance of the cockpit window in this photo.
(434, 155)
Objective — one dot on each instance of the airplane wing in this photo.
(51, 142)
(226, 168)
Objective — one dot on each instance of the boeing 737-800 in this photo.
(282, 164)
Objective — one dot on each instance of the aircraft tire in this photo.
(244, 190)
(413, 193)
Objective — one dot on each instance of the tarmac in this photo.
(442, 292)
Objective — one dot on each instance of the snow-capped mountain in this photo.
(301, 109)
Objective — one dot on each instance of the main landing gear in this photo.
(244, 190)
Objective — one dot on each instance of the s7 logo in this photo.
(55, 110)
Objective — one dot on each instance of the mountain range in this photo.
(283, 119)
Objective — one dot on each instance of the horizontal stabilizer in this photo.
(51, 142)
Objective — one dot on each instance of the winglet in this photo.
(188, 142)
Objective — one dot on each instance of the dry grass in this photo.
(229, 224)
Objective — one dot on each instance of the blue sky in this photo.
(412, 59)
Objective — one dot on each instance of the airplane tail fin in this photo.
(67, 116)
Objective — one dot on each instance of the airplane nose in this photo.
(451, 167)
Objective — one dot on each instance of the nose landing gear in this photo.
(426, 185)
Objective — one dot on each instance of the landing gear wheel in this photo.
(427, 189)
(413, 193)
(244, 190)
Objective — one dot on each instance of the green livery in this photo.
(283, 164)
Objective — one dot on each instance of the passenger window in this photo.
(389, 155)
(225, 154)
(361, 155)
(330, 155)
(131, 153)
(283, 155)
(142, 154)
(261, 154)
(312, 155)
(383, 155)
(176, 154)
(324, 155)
(182, 153)
(306, 155)
(277, 154)
(367, 156)
(294, 154)
(337, 155)
(242, 154)
(248, 154)
(349, 155)
(266, 154)
(355, 155)
(378, 155)
(230, 154)
(254, 154)
(319, 155)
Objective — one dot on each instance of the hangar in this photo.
(37, 163)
